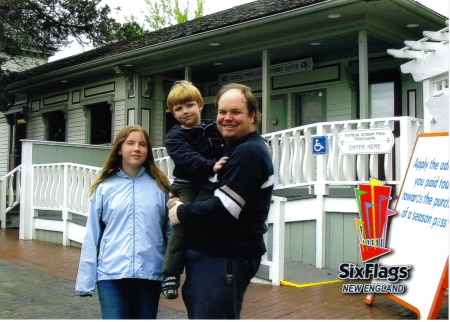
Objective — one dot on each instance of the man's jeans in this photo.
(129, 298)
(215, 287)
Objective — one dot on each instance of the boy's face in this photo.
(188, 114)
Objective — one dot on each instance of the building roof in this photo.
(236, 15)
(286, 28)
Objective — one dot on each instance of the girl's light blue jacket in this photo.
(135, 233)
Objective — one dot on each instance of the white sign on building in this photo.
(371, 141)
(256, 73)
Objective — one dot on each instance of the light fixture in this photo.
(412, 25)
(64, 81)
(334, 16)
(217, 64)
(315, 43)
(214, 44)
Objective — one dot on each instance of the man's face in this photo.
(233, 119)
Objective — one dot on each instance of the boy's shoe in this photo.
(169, 286)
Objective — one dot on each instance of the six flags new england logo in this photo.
(371, 226)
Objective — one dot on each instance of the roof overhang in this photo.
(286, 35)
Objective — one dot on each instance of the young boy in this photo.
(196, 148)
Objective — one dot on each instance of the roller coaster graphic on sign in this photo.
(373, 201)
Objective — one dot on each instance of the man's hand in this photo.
(173, 204)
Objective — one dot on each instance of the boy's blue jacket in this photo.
(195, 151)
(135, 235)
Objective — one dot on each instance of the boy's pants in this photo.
(186, 192)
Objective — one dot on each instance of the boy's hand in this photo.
(219, 164)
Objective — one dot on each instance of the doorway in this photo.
(18, 132)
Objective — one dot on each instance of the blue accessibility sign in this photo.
(319, 145)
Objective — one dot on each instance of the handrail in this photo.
(9, 197)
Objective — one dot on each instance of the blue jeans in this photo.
(129, 298)
(208, 293)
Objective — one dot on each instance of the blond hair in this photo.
(183, 92)
(114, 160)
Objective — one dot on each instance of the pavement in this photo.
(37, 282)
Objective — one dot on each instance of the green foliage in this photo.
(165, 13)
(6, 99)
(46, 25)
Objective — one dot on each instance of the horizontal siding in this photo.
(4, 148)
(76, 126)
(158, 135)
(119, 117)
(338, 103)
(35, 128)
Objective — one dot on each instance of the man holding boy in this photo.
(224, 235)
(196, 148)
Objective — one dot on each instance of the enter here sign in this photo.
(371, 141)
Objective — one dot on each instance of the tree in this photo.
(165, 13)
(47, 25)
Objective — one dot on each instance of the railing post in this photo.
(276, 273)
(27, 212)
(3, 202)
(65, 207)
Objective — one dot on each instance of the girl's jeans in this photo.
(129, 298)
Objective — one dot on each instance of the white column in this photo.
(363, 75)
(265, 90)
(27, 213)
(188, 73)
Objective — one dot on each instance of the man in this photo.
(224, 235)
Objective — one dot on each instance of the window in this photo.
(56, 126)
(382, 100)
(101, 123)
(310, 107)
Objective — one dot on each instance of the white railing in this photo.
(60, 187)
(295, 165)
(9, 193)
(63, 186)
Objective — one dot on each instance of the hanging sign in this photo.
(371, 141)
(256, 73)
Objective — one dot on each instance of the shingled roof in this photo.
(243, 13)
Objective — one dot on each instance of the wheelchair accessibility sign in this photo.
(319, 145)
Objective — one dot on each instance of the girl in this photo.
(126, 231)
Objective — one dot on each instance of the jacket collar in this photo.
(122, 174)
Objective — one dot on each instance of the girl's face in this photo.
(134, 152)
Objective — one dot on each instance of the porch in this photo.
(312, 193)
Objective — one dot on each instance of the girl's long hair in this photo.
(114, 160)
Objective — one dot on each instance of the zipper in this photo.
(134, 228)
